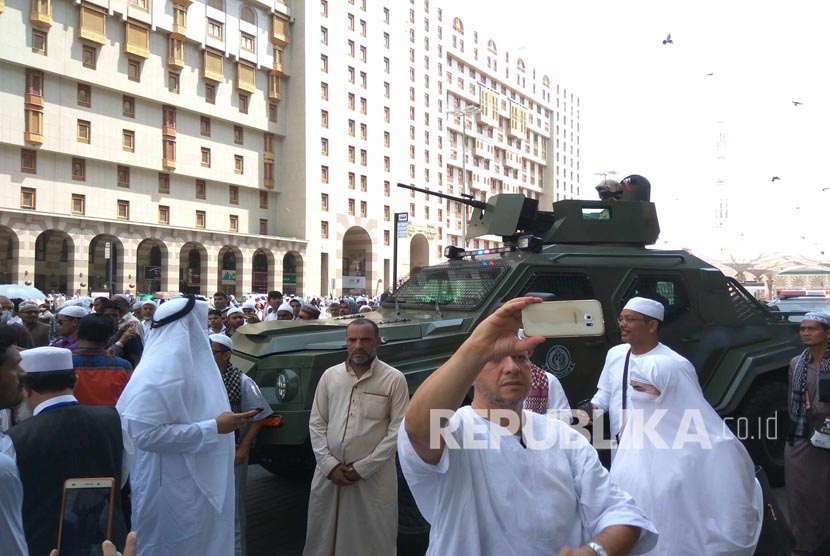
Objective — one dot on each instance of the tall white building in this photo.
(249, 146)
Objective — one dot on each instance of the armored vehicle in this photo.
(580, 250)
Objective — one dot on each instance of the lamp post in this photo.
(468, 111)
(606, 174)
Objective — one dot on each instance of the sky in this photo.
(651, 109)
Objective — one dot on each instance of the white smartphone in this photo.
(86, 516)
(556, 319)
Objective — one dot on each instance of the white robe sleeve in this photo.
(318, 424)
(557, 399)
(602, 399)
(173, 439)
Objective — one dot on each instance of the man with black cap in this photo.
(639, 322)
(176, 411)
(101, 376)
(62, 440)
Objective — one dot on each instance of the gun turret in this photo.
(511, 215)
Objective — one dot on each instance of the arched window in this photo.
(247, 14)
(491, 46)
(546, 81)
(457, 25)
(521, 65)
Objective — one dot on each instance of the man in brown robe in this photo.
(807, 467)
(357, 411)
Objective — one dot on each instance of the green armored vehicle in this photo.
(580, 250)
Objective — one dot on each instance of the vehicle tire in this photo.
(413, 529)
(289, 462)
(762, 423)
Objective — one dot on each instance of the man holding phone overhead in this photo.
(63, 440)
(176, 411)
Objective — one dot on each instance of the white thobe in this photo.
(171, 516)
(355, 422)
(501, 499)
(12, 538)
(609, 387)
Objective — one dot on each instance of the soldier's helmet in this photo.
(609, 190)
(635, 188)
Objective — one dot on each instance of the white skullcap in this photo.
(148, 302)
(137, 305)
(233, 310)
(74, 311)
(248, 305)
(121, 296)
(45, 359)
(647, 307)
(222, 339)
(822, 318)
(365, 309)
(286, 307)
(361, 299)
(28, 304)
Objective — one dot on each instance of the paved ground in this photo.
(277, 515)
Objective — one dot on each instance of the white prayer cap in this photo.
(361, 299)
(222, 339)
(28, 304)
(148, 302)
(74, 311)
(137, 305)
(45, 359)
(365, 309)
(233, 310)
(286, 307)
(823, 318)
(120, 296)
(647, 307)
(248, 305)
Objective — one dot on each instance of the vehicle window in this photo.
(668, 290)
(565, 286)
(460, 285)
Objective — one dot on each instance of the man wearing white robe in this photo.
(358, 407)
(494, 479)
(176, 411)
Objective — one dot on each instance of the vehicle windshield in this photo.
(817, 304)
(461, 285)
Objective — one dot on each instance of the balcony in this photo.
(41, 13)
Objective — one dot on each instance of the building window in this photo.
(412, 210)
(28, 161)
(263, 199)
(363, 157)
(164, 214)
(238, 164)
(204, 126)
(351, 153)
(205, 157)
(233, 224)
(324, 202)
(351, 180)
(324, 63)
(133, 70)
(238, 135)
(324, 230)
(79, 169)
(168, 151)
(200, 219)
(324, 119)
(173, 82)
(272, 112)
(386, 213)
(39, 41)
(28, 198)
(247, 42)
(210, 93)
(78, 204)
(324, 35)
(386, 237)
(214, 29)
(324, 174)
(324, 8)
(351, 207)
(233, 194)
(84, 95)
(123, 209)
(123, 173)
(363, 183)
(351, 131)
(243, 103)
(89, 56)
(324, 147)
(128, 106)
(84, 131)
(324, 91)
(363, 209)
(128, 140)
(387, 189)
(164, 183)
(363, 105)
(201, 189)
(263, 226)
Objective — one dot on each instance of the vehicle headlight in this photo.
(286, 386)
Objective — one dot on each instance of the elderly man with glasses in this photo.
(639, 322)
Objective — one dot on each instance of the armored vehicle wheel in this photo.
(762, 424)
(291, 462)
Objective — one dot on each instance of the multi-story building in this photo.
(246, 146)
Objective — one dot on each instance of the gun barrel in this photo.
(469, 202)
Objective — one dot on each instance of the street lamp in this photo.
(606, 174)
(470, 110)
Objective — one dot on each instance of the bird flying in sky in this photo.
(796, 103)
(775, 178)
(668, 40)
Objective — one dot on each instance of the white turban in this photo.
(222, 339)
(74, 311)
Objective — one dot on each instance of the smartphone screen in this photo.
(86, 516)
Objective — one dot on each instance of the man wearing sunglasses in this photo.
(639, 323)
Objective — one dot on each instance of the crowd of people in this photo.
(147, 394)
